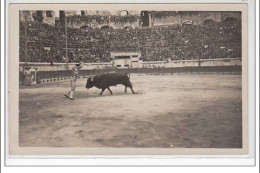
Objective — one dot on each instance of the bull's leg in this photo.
(103, 89)
(109, 90)
(132, 90)
(125, 89)
(130, 86)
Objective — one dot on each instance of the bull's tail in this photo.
(128, 75)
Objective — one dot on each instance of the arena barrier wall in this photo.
(44, 72)
(51, 76)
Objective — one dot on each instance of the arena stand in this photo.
(160, 44)
(186, 42)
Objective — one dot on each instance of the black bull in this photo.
(104, 81)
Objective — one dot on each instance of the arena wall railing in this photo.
(45, 72)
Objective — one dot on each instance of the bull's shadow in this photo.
(96, 93)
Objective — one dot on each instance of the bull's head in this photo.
(90, 82)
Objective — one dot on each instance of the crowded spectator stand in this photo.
(160, 43)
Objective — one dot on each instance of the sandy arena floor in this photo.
(176, 111)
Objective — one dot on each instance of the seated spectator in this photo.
(47, 43)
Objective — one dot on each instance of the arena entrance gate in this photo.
(125, 59)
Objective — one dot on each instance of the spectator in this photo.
(217, 40)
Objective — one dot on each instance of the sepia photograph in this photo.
(135, 78)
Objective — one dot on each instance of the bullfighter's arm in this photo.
(78, 67)
(81, 65)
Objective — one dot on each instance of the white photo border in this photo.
(158, 160)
